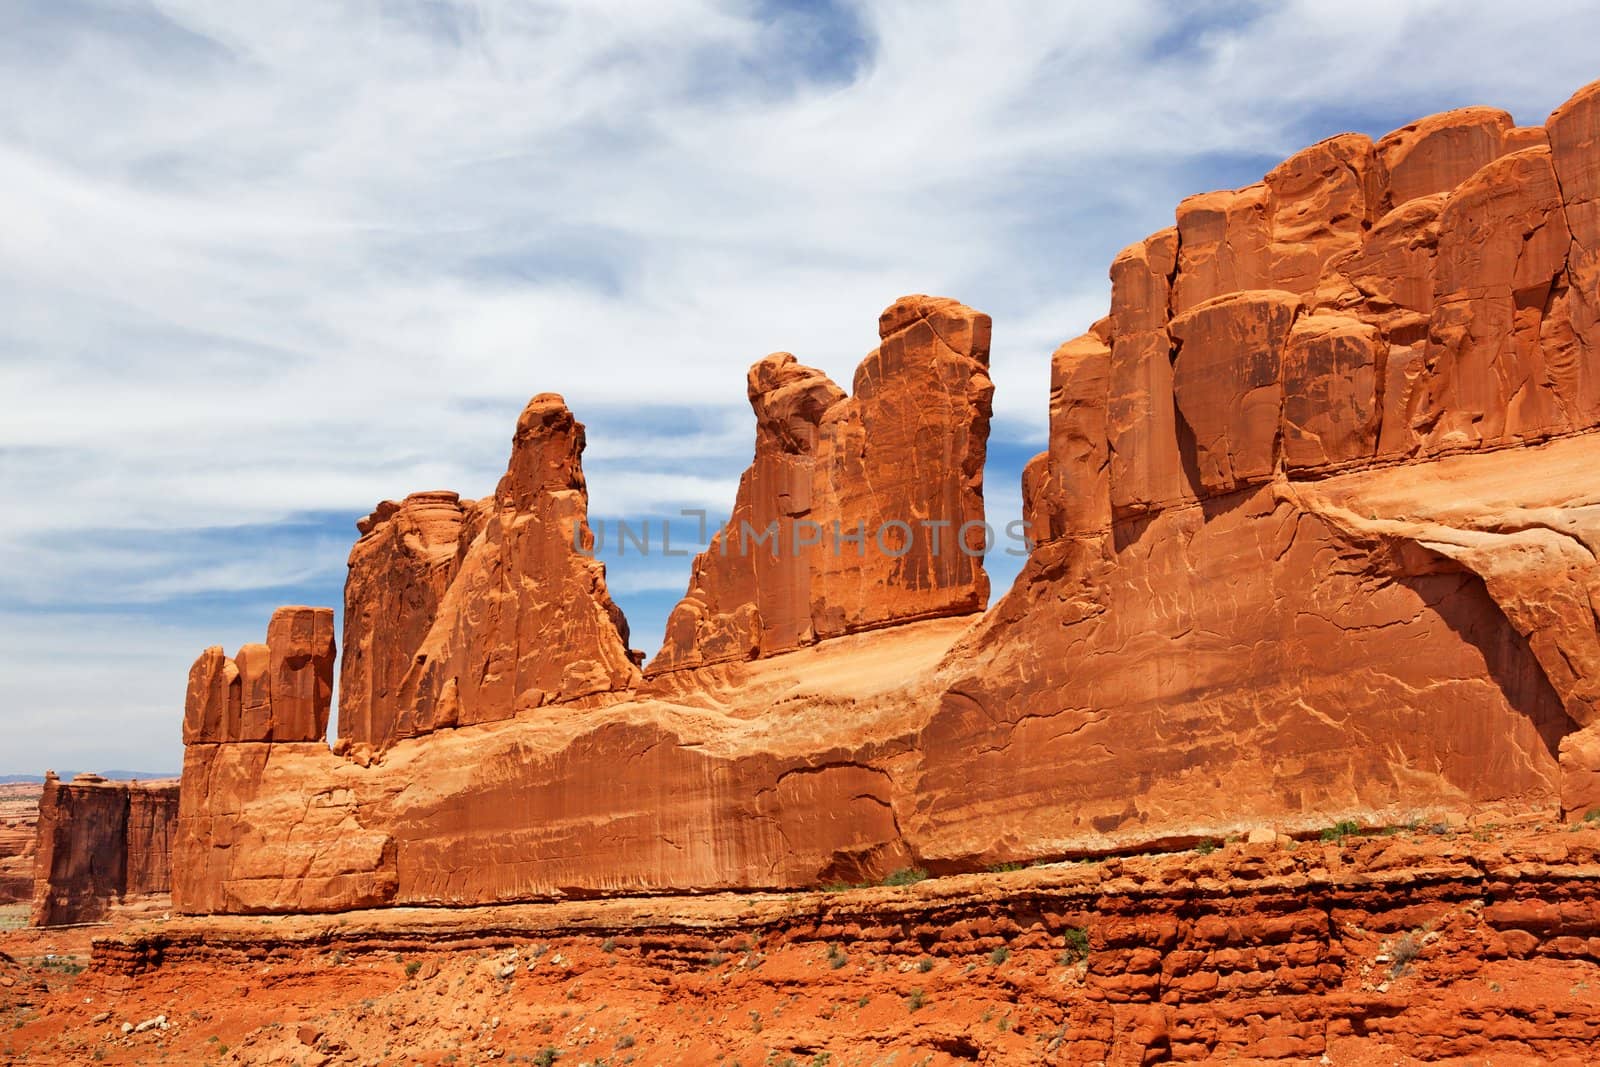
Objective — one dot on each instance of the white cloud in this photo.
(267, 260)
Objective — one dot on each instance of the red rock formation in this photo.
(318, 857)
(1317, 537)
(1574, 139)
(1141, 422)
(1438, 153)
(458, 615)
(279, 691)
(527, 620)
(1496, 354)
(101, 844)
(1302, 644)
(463, 613)
(1433, 945)
(401, 567)
(1227, 380)
(19, 829)
(1330, 392)
(637, 797)
(899, 463)
(1067, 488)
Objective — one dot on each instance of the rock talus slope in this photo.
(1460, 946)
(1316, 537)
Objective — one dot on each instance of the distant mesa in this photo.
(101, 844)
(907, 446)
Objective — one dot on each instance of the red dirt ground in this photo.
(1428, 945)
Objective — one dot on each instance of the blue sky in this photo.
(267, 264)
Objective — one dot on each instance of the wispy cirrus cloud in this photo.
(267, 264)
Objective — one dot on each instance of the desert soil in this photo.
(1433, 943)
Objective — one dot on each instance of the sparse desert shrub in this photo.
(1340, 830)
(1076, 941)
(412, 968)
(1592, 815)
(1206, 847)
(906, 876)
(547, 1056)
(1005, 868)
(837, 957)
(999, 956)
(1404, 951)
(625, 1041)
(608, 945)
(925, 964)
(916, 1000)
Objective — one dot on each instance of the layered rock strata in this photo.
(1439, 945)
(19, 830)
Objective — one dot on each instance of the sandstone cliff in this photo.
(1317, 527)
(462, 615)
(400, 569)
(858, 512)
(278, 691)
(100, 844)
(1299, 551)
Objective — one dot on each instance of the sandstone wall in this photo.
(906, 447)
(1299, 550)
(468, 614)
(701, 788)
(277, 691)
(400, 569)
(100, 844)
(1317, 527)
